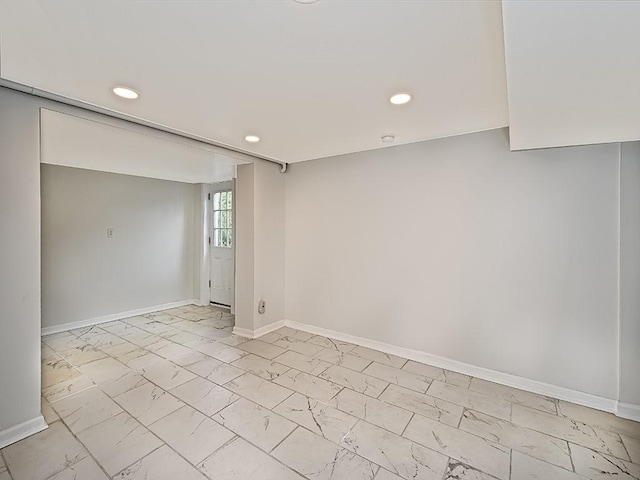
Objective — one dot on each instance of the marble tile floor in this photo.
(175, 395)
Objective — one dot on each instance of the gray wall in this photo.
(630, 275)
(19, 260)
(148, 262)
(460, 248)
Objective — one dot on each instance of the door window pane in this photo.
(222, 219)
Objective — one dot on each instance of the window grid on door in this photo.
(222, 219)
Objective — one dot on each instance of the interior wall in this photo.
(149, 261)
(630, 275)
(260, 242)
(462, 249)
(19, 265)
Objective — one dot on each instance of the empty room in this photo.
(319, 240)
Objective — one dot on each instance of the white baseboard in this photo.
(245, 332)
(628, 411)
(534, 386)
(115, 316)
(22, 430)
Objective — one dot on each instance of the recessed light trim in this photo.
(125, 92)
(400, 98)
(387, 138)
(252, 138)
(305, 2)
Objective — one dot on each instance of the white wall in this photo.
(630, 276)
(459, 248)
(148, 262)
(260, 241)
(19, 265)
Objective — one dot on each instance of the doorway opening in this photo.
(222, 241)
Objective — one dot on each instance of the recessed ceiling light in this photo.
(252, 138)
(388, 138)
(125, 92)
(304, 2)
(400, 98)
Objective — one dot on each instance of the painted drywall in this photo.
(269, 218)
(73, 141)
(572, 72)
(244, 245)
(260, 241)
(149, 260)
(460, 248)
(630, 275)
(19, 260)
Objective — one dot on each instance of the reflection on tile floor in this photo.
(174, 395)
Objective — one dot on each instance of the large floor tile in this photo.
(633, 447)
(254, 423)
(356, 381)
(258, 390)
(86, 409)
(302, 362)
(530, 442)
(162, 464)
(82, 353)
(128, 381)
(513, 395)
(56, 371)
(191, 434)
(331, 344)
(105, 370)
(459, 471)
(598, 466)
(396, 376)
(452, 442)
(308, 385)
(319, 459)
(599, 419)
(318, 417)
(470, 399)
(343, 359)
(372, 410)
(570, 430)
(239, 460)
(66, 388)
(524, 467)
(260, 366)
(435, 373)
(44, 454)
(380, 357)
(261, 349)
(205, 396)
(425, 405)
(86, 468)
(119, 442)
(148, 403)
(400, 456)
(166, 374)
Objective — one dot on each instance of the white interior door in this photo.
(222, 251)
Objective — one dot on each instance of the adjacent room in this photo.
(319, 240)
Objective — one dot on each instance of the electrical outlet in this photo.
(109, 232)
(262, 307)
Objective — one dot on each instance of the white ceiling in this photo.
(310, 80)
(77, 142)
(573, 72)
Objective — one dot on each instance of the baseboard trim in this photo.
(115, 316)
(534, 386)
(22, 430)
(628, 411)
(247, 333)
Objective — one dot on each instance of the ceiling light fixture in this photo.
(400, 98)
(388, 138)
(252, 138)
(305, 2)
(125, 92)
